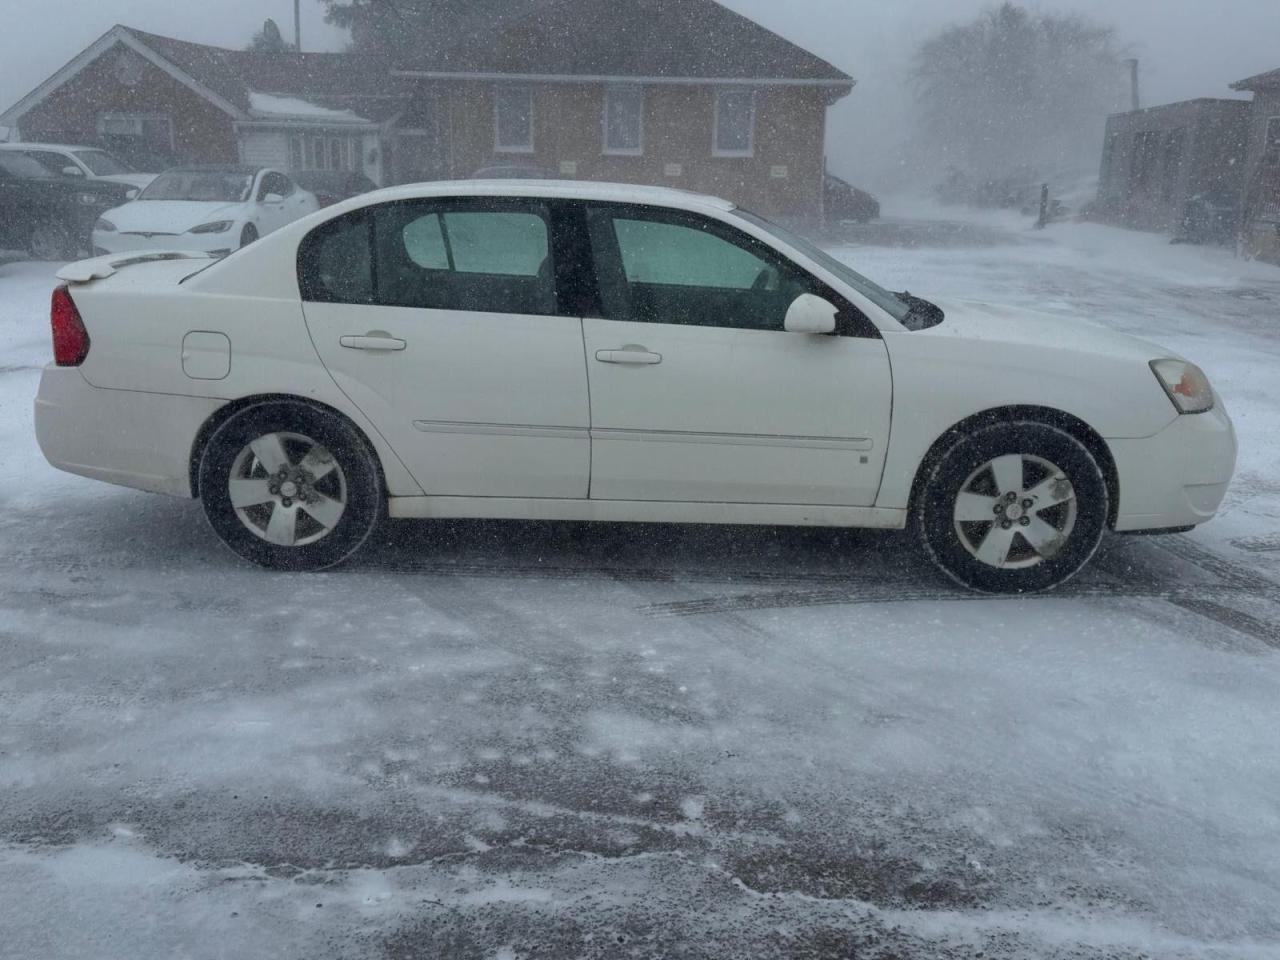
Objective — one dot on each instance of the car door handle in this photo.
(629, 354)
(374, 341)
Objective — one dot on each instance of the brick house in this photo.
(678, 92)
(1260, 223)
(1155, 160)
(160, 102)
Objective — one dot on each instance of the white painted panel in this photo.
(265, 148)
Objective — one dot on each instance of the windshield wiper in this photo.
(921, 314)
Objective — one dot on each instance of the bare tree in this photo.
(269, 40)
(1016, 88)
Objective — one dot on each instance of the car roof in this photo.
(553, 190)
(220, 168)
(44, 146)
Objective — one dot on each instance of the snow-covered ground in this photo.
(561, 740)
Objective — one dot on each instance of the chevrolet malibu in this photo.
(611, 353)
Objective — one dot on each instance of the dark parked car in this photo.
(845, 202)
(49, 216)
(333, 186)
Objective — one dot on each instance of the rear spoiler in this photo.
(99, 268)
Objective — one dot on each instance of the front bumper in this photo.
(1179, 477)
(133, 439)
(216, 244)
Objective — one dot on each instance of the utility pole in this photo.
(1132, 64)
(297, 25)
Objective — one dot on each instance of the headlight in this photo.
(105, 225)
(218, 226)
(1186, 385)
(92, 200)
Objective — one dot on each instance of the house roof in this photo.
(1263, 81)
(651, 40)
(643, 39)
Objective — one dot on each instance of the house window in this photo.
(143, 139)
(735, 124)
(513, 119)
(624, 121)
(322, 152)
(1271, 145)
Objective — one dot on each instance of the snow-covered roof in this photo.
(269, 106)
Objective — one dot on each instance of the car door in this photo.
(441, 320)
(698, 394)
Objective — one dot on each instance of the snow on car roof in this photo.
(557, 189)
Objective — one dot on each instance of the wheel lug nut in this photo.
(287, 501)
(1025, 521)
(1028, 504)
(999, 508)
(1007, 524)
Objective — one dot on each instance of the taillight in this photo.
(70, 338)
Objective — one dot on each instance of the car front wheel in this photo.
(291, 487)
(248, 235)
(1013, 508)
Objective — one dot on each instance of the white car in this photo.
(598, 352)
(91, 163)
(213, 210)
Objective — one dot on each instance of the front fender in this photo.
(941, 381)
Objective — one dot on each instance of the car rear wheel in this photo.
(1013, 508)
(291, 487)
(51, 240)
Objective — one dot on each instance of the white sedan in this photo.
(599, 352)
(214, 210)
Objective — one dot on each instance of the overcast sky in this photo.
(1189, 48)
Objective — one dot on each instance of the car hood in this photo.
(170, 216)
(978, 320)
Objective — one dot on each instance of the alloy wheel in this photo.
(1015, 511)
(288, 489)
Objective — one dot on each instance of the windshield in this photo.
(882, 298)
(203, 185)
(103, 164)
(18, 165)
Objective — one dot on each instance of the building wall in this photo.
(122, 82)
(270, 147)
(1261, 228)
(1156, 160)
(783, 178)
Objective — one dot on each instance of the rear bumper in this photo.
(132, 439)
(1179, 477)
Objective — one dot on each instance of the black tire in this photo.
(354, 480)
(966, 467)
(248, 235)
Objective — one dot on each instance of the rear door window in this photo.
(494, 259)
(489, 257)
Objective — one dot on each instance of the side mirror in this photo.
(70, 171)
(811, 314)
(273, 198)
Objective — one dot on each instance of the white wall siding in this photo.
(266, 148)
